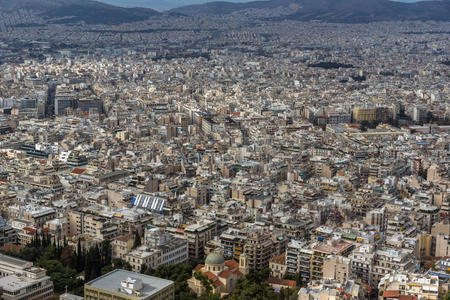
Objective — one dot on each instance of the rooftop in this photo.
(335, 246)
(111, 282)
(13, 283)
(14, 262)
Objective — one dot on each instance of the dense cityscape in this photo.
(224, 157)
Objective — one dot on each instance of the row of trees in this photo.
(255, 287)
(65, 265)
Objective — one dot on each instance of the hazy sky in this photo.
(168, 4)
(160, 4)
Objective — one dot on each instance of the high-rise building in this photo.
(388, 259)
(64, 99)
(365, 113)
(419, 113)
(321, 251)
(259, 249)
(89, 105)
(197, 236)
(362, 259)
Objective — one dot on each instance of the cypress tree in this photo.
(137, 240)
(96, 260)
(88, 268)
(80, 258)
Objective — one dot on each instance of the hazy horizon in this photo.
(162, 5)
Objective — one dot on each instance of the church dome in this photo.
(214, 259)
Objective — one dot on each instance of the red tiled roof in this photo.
(238, 272)
(30, 230)
(10, 247)
(225, 274)
(391, 294)
(198, 267)
(407, 297)
(284, 282)
(231, 264)
(217, 283)
(367, 287)
(280, 259)
(124, 238)
(78, 171)
(209, 274)
(348, 296)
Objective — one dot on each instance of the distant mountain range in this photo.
(160, 5)
(163, 5)
(70, 11)
(340, 11)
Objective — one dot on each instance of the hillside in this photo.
(342, 11)
(72, 11)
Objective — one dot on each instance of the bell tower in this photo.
(243, 264)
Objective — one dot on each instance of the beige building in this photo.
(197, 236)
(86, 242)
(377, 217)
(441, 234)
(259, 248)
(37, 216)
(126, 285)
(143, 257)
(333, 290)
(19, 279)
(58, 228)
(75, 219)
(320, 252)
(364, 114)
(388, 259)
(442, 245)
(424, 248)
(91, 225)
(336, 268)
(122, 245)
(277, 266)
(417, 285)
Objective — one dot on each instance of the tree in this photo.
(179, 273)
(137, 239)
(80, 257)
(87, 268)
(364, 125)
(58, 261)
(106, 252)
(97, 261)
(254, 287)
(67, 257)
(206, 282)
(121, 264)
(281, 295)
